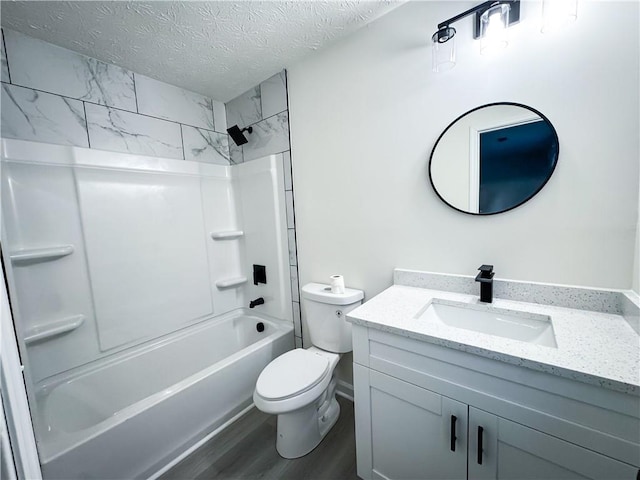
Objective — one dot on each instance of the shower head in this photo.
(237, 135)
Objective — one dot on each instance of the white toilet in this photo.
(298, 386)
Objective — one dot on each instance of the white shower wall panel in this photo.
(146, 252)
(45, 194)
(225, 257)
(47, 190)
(260, 189)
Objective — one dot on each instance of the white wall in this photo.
(636, 263)
(366, 113)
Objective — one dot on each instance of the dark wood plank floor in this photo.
(247, 450)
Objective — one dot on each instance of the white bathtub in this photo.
(129, 417)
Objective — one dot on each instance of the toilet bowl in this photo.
(299, 386)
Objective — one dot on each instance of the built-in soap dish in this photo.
(27, 255)
(227, 234)
(231, 282)
(49, 330)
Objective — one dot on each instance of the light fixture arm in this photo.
(482, 7)
(479, 9)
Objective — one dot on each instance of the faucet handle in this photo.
(486, 268)
(486, 273)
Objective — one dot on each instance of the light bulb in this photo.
(493, 29)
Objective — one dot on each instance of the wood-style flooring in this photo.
(247, 450)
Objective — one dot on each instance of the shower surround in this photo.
(113, 260)
(58, 99)
(54, 95)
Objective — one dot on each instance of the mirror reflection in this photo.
(493, 158)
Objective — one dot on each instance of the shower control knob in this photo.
(339, 313)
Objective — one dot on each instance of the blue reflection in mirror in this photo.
(514, 162)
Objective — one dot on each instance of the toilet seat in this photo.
(296, 379)
(292, 374)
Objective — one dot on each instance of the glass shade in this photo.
(493, 29)
(443, 49)
(556, 14)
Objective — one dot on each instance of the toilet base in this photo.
(302, 430)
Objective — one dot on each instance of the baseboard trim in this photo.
(345, 390)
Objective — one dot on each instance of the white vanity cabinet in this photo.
(408, 430)
(507, 450)
(420, 408)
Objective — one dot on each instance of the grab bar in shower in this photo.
(45, 253)
(52, 329)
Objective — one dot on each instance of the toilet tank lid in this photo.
(322, 293)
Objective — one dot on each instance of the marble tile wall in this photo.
(265, 108)
(202, 145)
(45, 67)
(245, 109)
(54, 95)
(121, 131)
(162, 100)
(32, 115)
(5, 66)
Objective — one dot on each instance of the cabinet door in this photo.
(512, 451)
(405, 432)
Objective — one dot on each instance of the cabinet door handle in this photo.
(480, 431)
(453, 433)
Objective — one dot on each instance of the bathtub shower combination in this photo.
(128, 280)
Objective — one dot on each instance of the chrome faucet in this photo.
(485, 277)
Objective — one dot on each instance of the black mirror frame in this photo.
(557, 154)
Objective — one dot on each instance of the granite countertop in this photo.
(592, 347)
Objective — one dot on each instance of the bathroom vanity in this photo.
(528, 390)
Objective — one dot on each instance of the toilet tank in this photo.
(326, 315)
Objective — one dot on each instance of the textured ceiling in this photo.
(219, 49)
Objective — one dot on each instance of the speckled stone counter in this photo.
(592, 346)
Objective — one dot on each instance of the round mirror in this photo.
(493, 158)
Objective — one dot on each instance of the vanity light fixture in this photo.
(491, 21)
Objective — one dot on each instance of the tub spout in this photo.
(256, 302)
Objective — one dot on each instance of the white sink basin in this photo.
(522, 326)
